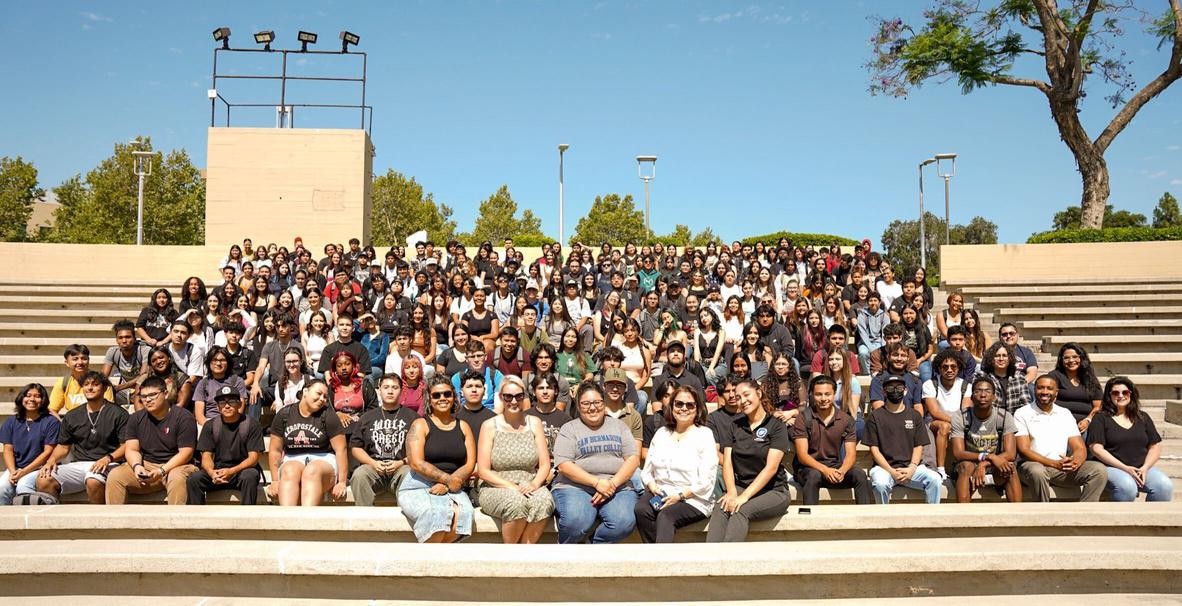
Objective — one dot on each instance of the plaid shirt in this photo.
(1012, 391)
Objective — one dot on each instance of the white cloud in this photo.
(1175, 181)
(1173, 147)
(94, 17)
(1157, 175)
(752, 13)
(602, 36)
(85, 26)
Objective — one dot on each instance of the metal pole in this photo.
(947, 220)
(560, 200)
(213, 102)
(923, 249)
(647, 226)
(139, 213)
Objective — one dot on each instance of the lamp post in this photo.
(946, 161)
(647, 178)
(562, 147)
(923, 242)
(143, 168)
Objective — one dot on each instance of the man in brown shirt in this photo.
(825, 445)
(891, 333)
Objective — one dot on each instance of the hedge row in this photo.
(799, 239)
(1109, 234)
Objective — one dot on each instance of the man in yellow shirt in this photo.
(67, 391)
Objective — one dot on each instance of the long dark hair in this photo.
(1085, 374)
(1133, 410)
(42, 410)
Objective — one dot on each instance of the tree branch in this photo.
(1039, 84)
(1172, 73)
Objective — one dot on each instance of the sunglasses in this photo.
(440, 395)
(512, 397)
(684, 405)
(1120, 392)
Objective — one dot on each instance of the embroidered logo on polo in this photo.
(761, 434)
(908, 424)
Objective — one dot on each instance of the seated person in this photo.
(159, 442)
(307, 450)
(892, 333)
(983, 443)
(1052, 450)
(379, 444)
(229, 445)
(896, 436)
(125, 361)
(476, 363)
(945, 395)
(66, 394)
(92, 437)
(1125, 439)
(821, 434)
(28, 439)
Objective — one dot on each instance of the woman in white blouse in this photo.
(679, 472)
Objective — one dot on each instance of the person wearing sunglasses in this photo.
(679, 471)
(441, 451)
(1125, 439)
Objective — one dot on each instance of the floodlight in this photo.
(265, 38)
(347, 39)
(222, 34)
(305, 39)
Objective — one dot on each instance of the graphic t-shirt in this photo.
(552, 423)
(599, 452)
(306, 435)
(983, 436)
(382, 433)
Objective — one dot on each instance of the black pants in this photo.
(811, 482)
(246, 481)
(658, 526)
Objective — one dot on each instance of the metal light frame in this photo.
(562, 147)
(640, 162)
(142, 168)
(942, 161)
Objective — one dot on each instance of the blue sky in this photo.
(758, 111)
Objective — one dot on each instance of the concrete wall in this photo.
(276, 184)
(113, 263)
(1066, 262)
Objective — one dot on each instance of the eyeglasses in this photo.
(229, 403)
(1009, 334)
(292, 362)
(512, 397)
(150, 396)
(440, 395)
(1121, 393)
(591, 404)
(691, 405)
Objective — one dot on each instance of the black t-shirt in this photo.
(161, 439)
(306, 435)
(156, 322)
(720, 422)
(687, 379)
(360, 353)
(651, 424)
(1129, 446)
(896, 434)
(750, 447)
(474, 419)
(1076, 398)
(245, 361)
(551, 422)
(382, 434)
(231, 445)
(91, 442)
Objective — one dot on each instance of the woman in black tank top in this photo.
(441, 453)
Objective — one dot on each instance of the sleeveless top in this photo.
(948, 319)
(633, 361)
(706, 347)
(478, 327)
(444, 448)
(514, 453)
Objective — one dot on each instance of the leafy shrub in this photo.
(1109, 234)
(799, 239)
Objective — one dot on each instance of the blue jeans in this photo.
(27, 484)
(1122, 486)
(576, 515)
(881, 482)
(925, 371)
(864, 358)
(641, 401)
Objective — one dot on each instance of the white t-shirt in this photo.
(577, 308)
(394, 362)
(1049, 432)
(689, 463)
(949, 399)
(888, 292)
(461, 306)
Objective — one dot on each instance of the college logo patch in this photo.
(909, 424)
(761, 434)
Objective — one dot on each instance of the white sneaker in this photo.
(943, 473)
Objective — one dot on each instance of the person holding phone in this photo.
(679, 471)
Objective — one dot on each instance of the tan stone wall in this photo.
(1051, 262)
(114, 263)
(274, 184)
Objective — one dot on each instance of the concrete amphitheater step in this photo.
(1065, 599)
(1149, 363)
(1035, 330)
(1129, 312)
(1024, 300)
(76, 329)
(141, 293)
(33, 346)
(1113, 290)
(1108, 344)
(105, 317)
(49, 304)
(292, 570)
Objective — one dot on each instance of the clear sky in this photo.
(758, 111)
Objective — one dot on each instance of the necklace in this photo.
(93, 420)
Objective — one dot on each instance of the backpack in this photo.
(246, 424)
(968, 424)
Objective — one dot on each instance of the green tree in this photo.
(1071, 217)
(611, 219)
(979, 43)
(497, 220)
(900, 240)
(704, 237)
(400, 208)
(1166, 213)
(101, 209)
(18, 192)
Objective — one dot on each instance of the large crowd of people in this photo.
(642, 388)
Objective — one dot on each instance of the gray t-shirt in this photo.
(124, 368)
(599, 452)
(983, 436)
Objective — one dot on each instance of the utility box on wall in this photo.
(272, 184)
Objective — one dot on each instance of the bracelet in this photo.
(981, 456)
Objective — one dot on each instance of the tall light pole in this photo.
(923, 242)
(143, 168)
(640, 162)
(946, 167)
(562, 147)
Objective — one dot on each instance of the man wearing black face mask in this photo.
(896, 436)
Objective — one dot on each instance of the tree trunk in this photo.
(1094, 172)
(1089, 158)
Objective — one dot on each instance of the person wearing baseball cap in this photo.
(615, 387)
(230, 445)
(896, 435)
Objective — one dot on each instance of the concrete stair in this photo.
(1110, 344)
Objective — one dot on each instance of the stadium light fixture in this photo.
(946, 168)
(222, 34)
(305, 39)
(647, 178)
(265, 38)
(349, 39)
(562, 147)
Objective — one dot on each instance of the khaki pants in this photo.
(122, 480)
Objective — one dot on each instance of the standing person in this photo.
(441, 452)
(92, 436)
(379, 445)
(513, 462)
(679, 471)
(596, 456)
(983, 443)
(896, 436)
(1052, 449)
(1125, 439)
(307, 450)
(825, 438)
(756, 484)
(230, 446)
(28, 438)
(159, 443)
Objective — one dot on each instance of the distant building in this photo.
(41, 220)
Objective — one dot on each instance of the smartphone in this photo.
(804, 511)
(657, 502)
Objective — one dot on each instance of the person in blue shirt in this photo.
(376, 342)
(28, 438)
(476, 363)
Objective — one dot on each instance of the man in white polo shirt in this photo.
(1051, 448)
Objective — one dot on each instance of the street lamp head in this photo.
(652, 159)
(941, 159)
(563, 147)
(222, 34)
(265, 38)
(926, 162)
(945, 156)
